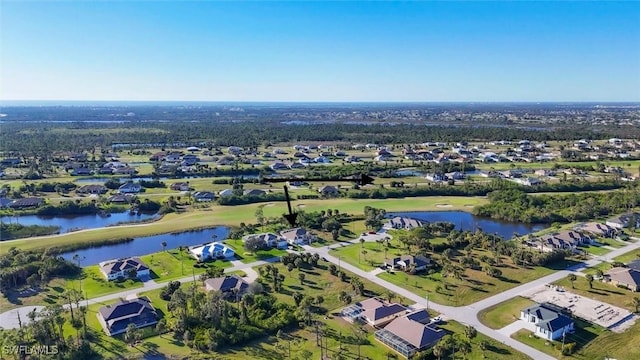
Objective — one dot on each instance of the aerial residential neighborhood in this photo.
(320, 180)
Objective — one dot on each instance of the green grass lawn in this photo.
(604, 266)
(504, 313)
(628, 257)
(249, 257)
(601, 292)
(474, 286)
(595, 250)
(234, 215)
(374, 256)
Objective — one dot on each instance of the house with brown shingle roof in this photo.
(410, 334)
(228, 285)
(626, 277)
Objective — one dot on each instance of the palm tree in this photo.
(164, 245)
(636, 302)
(572, 278)
(589, 278)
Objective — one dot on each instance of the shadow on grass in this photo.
(507, 280)
(563, 265)
(498, 350)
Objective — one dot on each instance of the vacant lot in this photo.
(601, 292)
(474, 285)
(504, 313)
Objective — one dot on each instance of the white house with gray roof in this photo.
(550, 324)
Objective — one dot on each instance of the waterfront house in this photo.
(628, 220)
(399, 222)
(25, 203)
(116, 318)
(92, 189)
(211, 251)
(271, 240)
(130, 188)
(550, 324)
(124, 268)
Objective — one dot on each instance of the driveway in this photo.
(13, 318)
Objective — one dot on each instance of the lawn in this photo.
(504, 313)
(249, 257)
(604, 266)
(601, 292)
(168, 265)
(628, 257)
(474, 286)
(585, 335)
(373, 256)
(595, 250)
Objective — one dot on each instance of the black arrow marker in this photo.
(291, 216)
(362, 179)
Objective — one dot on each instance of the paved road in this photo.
(465, 314)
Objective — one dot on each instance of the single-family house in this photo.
(383, 314)
(298, 236)
(91, 189)
(596, 229)
(278, 165)
(81, 171)
(435, 177)
(125, 268)
(203, 196)
(139, 312)
(550, 324)
(229, 285)
(130, 188)
(329, 191)
(410, 334)
(120, 198)
(180, 186)
(628, 220)
(225, 192)
(405, 223)
(211, 251)
(271, 240)
(254, 192)
(626, 277)
(24, 203)
(407, 262)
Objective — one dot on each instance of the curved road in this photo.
(467, 315)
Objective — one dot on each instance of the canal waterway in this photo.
(78, 222)
(147, 245)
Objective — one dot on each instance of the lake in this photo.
(147, 245)
(466, 221)
(77, 222)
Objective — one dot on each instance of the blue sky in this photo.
(320, 51)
